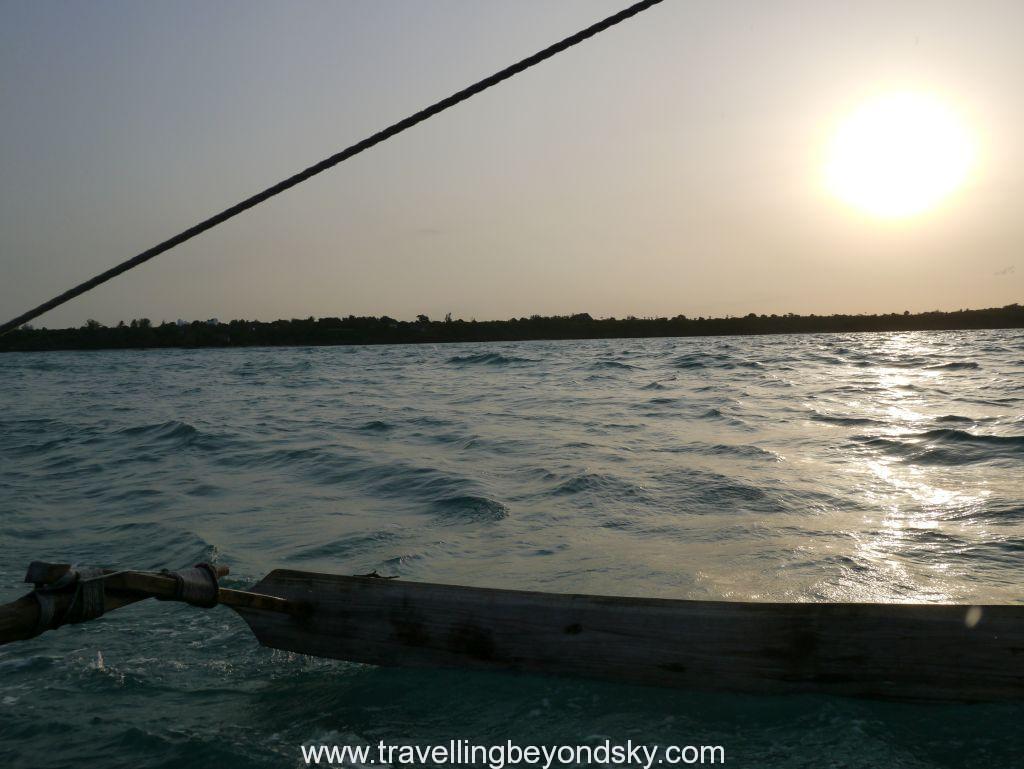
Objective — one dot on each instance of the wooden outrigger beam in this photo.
(62, 596)
(940, 652)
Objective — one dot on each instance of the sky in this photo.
(672, 165)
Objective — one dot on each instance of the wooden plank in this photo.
(896, 651)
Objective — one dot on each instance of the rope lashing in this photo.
(87, 602)
(82, 590)
(197, 586)
(333, 160)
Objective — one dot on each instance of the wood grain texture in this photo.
(895, 651)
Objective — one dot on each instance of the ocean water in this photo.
(881, 467)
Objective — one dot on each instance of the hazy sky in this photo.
(671, 165)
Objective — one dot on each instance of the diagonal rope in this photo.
(330, 162)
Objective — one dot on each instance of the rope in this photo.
(87, 601)
(197, 586)
(333, 160)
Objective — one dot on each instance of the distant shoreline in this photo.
(141, 334)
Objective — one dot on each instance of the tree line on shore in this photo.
(141, 333)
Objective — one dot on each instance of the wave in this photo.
(429, 421)
(954, 419)
(314, 459)
(704, 492)
(377, 426)
(948, 446)
(716, 414)
(693, 360)
(44, 365)
(950, 435)
(611, 364)
(345, 547)
(876, 360)
(963, 365)
(837, 420)
(140, 545)
(731, 491)
(470, 508)
(40, 449)
(172, 434)
(925, 546)
(742, 450)
(271, 365)
(606, 486)
(488, 359)
(1005, 512)
(745, 450)
(412, 482)
(449, 496)
(708, 360)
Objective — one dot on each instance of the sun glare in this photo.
(899, 155)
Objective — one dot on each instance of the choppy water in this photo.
(822, 467)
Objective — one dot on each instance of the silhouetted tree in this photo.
(386, 330)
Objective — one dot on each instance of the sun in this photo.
(899, 155)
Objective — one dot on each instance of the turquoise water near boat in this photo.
(874, 467)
